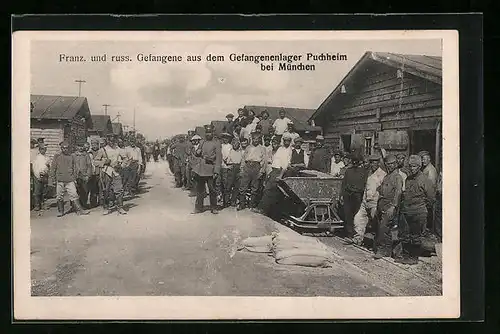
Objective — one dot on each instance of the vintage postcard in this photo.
(236, 175)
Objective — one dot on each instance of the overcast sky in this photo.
(173, 98)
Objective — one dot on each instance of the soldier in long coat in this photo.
(207, 170)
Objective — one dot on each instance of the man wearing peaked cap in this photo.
(207, 170)
(191, 162)
(391, 189)
(229, 124)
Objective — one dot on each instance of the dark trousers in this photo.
(383, 238)
(39, 190)
(200, 192)
(352, 203)
(83, 190)
(170, 160)
(415, 225)
(155, 156)
(130, 176)
(232, 185)
(179, 172)
(189, 177)
(270, 192)
(95, 190)
(222, 182)
(250, 177)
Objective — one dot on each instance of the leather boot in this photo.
(78, 208)
(38, 204)
(60, 208)
(119, 205)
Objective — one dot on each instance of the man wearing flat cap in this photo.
(207, 170)
(418, 196)
(391, 190)
(319, 158)
(299, 158)
(352, 189)
(265, 122)
(368, 208)
(229, 124)
(193, 162)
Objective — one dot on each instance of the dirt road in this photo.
(159, 248)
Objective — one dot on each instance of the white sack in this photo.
(304, 257)
(258, 244)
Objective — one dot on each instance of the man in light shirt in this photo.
(254, 162)
(280, 163)
(233, 163)
(135, 164)
(280, 125)
(111, 177)
(291, 132)
(336, 165)
(223, 180)
(368, 206)
(95, 189)
(41, 165)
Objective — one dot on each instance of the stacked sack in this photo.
(291, 248)
(295, 249)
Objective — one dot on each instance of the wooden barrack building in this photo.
(392, 99)
(56, 118)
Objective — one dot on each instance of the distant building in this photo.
(57, 118)
(392, 99)
(101, 126)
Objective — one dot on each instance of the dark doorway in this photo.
(423, 140)
(346, 142)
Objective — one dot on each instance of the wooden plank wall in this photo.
(383, 101)
(52, 134)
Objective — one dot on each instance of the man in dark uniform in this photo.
(229, 125)
(193, 161)
(320, 159)
(418, 196)
(187, 166)
(207, 170)
(353, 187)
(179, 151)
(388, 208)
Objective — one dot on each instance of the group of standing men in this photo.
(97, 174)
(399, 199)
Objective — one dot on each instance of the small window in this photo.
(368, 145)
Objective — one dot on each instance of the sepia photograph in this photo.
(222, 175)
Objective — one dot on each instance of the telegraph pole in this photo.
(134, 119)
(106, 108)
(80, 82)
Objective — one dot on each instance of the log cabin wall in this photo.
(52, 132)
(380, 103)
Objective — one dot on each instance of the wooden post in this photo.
(438, 146)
